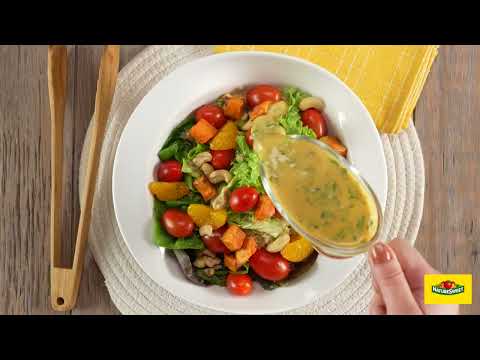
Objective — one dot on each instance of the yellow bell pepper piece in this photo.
(205, 215)
(226, 138)
(297, 250)
(165, 191)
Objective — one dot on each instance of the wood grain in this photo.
(446, 119)
(447, 122)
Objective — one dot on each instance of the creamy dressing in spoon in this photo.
(315, 189)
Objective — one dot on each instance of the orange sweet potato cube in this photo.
(230, 262)
(203, 131)
(205, 188)
(233, 238)
(248, 249)
(234, 107)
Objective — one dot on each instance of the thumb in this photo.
(391, 281)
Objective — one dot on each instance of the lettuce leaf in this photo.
(292, 121)
(273, 226)
(246, 167)
(186, 167)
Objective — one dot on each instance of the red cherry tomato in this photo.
(270, 266)
(170, 171)
(214, 243)
(178, 223)
(239, 284)
(211, 113)
(261, 93)
(244, 198)
(315, 121)
(249, 137)
(221, 159)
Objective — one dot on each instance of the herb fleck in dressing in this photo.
(315, 189)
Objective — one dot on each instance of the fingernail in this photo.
(380, 254)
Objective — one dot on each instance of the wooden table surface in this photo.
(446, 117)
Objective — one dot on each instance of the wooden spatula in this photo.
(64, 281)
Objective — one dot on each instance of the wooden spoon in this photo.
(65, 282)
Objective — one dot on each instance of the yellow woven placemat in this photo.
(388, 78)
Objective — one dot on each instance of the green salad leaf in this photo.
(159, 207)
(292, 121)
(178, 150)
(188, 178)
(219, 278)
(266, 284)
(246, 166)
(177, 146)
(220, 101)
(243, 269)
(186, 200)
(186, 167)
(163, 239)
(180, 131)
(246, 220)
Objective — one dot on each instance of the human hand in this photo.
(397, 271)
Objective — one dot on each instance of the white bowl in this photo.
(175, 97)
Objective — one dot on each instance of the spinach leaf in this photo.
(266, 284)
(178, 150)
(163, 239)
(219, 278)
(186, 200)
(189, 182)
(220, 101)
(159, 207)
(243, 269)
(180, 131)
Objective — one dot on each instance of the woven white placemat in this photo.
(133, 292)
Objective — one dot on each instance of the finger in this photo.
(391, 281)
(415, 267)
(412, 262)
(377, 306)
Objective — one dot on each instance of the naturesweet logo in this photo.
(448, 287)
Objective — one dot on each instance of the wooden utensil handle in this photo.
(66, 282)
(57, 85)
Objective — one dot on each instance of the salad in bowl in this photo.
(210, 207)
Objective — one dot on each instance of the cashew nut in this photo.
(206, 168)
(220, 201)
(279, 243)
(206, 259)
(205, 230)
(312, 102)
(199, 263)
(206, 252)
(218, 176)
(202, 158)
